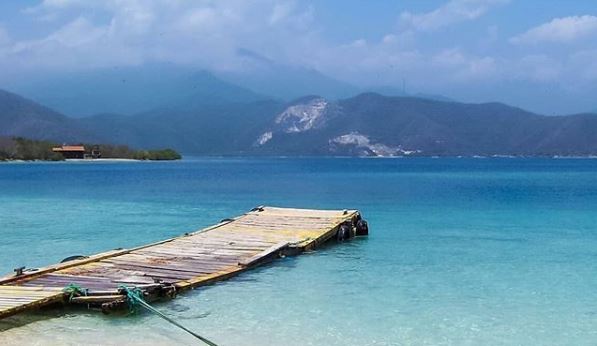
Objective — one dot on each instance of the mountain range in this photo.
(131, 90)
(372, 124)
(136, 89)
(203, 114)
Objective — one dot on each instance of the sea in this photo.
(461, 251)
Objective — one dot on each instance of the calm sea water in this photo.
(461, 251)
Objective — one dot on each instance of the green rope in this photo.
(74, 290)
(135, 298)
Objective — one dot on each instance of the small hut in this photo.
(71, 151)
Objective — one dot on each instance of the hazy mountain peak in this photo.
(14, 105)
(254, 56)
(20, 116)
(135, 89)
(285, 81)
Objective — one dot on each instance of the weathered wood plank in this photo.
(96, 299)
(253, 259)
(194, 259)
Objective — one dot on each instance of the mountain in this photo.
(131, 90)
(376, 125)
(393, 91)
(368, 124)
(23, 117)
(215, 129)
(283, 81)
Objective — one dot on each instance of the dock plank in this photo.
(194, 259)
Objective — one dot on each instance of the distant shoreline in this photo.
(105, 160)
(108, 160)
(191, 157)
(19, 148)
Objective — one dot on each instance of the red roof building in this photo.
(71, 151)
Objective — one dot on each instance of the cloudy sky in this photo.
(537, 54)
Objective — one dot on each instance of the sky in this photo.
(537, 54)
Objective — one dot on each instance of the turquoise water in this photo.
(461, 251)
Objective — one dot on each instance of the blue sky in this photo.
(540, 55)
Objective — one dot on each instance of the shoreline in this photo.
(190, 157)
(106, 160)
(114, 160)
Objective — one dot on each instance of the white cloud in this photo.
(464, 67)
(76, 33)
(51, 4)
(205, 33)
(537, 67)
(566, 29)
(281, 11)
(453, 12)
(87, 34)
(388, 62)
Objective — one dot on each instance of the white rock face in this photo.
(265, 138)
(363, 142)
(354, 138)
(303, 117)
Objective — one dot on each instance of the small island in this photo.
(23, 149)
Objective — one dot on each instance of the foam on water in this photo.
(499, 251)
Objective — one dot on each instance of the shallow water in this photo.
(461, 251)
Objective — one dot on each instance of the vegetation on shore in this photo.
(124, 152)
(18, 148)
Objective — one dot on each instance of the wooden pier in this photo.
(162, 269)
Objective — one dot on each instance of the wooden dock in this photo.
(163, 269)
